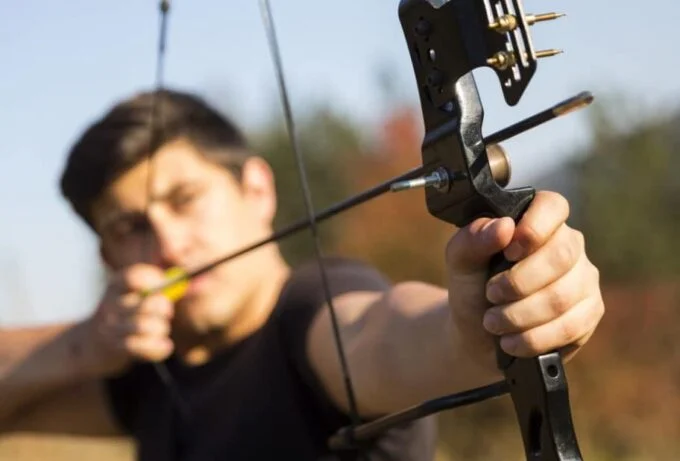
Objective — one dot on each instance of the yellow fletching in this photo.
(178, 289)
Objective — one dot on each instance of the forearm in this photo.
(37, 361)
(412, 351)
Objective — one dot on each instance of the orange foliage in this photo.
(626, 383)
(395, 232)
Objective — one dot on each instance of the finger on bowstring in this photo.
(148, 348)
(143, 326)
(139, 277)
(156, 305)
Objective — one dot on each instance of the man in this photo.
(249, 349)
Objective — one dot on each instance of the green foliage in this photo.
(329, 145)
(629, 196)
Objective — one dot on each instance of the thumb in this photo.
(471, 248)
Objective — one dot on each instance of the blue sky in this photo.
(65, 62)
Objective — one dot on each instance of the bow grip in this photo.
(540, 395)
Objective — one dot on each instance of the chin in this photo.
(201, 317)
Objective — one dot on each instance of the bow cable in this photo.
(268, 21)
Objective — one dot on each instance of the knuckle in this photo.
(531, 234)
(557, 202)
(562, 203)
(568, 331)
(511, 319)
(595, 274)
(140, 276)
(151, 326)
(126, 301)
(128, 277)
(130, 344)
(157, 304)
(558, 299)
(565, 255)
(596, 311)
(513, 285)
(529, 344)
(579, 238)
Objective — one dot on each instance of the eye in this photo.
(134, 225)
(185, 197)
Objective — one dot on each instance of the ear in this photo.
(259, 189)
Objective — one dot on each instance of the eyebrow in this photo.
(119, 215)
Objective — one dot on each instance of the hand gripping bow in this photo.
(465, 176)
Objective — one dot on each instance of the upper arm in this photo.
(81, 409)
(395, 342)
(358, 315)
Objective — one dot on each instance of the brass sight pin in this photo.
(548, 53)
(534, 18)
(509, 22)
(504, 59)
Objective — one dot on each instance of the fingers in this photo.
(550, 298)
(130, 326)
(139, 277)
(571, 331)
(471, 248)
(544, 266)
(149, 348)
(543, 305)
(547, 213)
(563, 314)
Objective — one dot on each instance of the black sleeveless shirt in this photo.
(259, 400)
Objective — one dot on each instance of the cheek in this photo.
(222, 225)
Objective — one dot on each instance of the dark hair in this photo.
(135, 128)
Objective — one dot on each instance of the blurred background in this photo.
(355, 103)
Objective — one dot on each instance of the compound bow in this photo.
(464, 174)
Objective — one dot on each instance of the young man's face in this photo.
(198, 213)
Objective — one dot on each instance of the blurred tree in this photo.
(395, 232)
(330, 145)
(629, 194)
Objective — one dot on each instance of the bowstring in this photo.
(268, 21)
(155, 123)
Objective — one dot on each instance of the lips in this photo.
(198, 283)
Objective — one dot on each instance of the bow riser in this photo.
(446, 43)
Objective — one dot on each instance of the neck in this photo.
(253, 314)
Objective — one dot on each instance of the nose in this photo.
(170, 240)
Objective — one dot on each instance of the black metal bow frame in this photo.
(464, 175)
